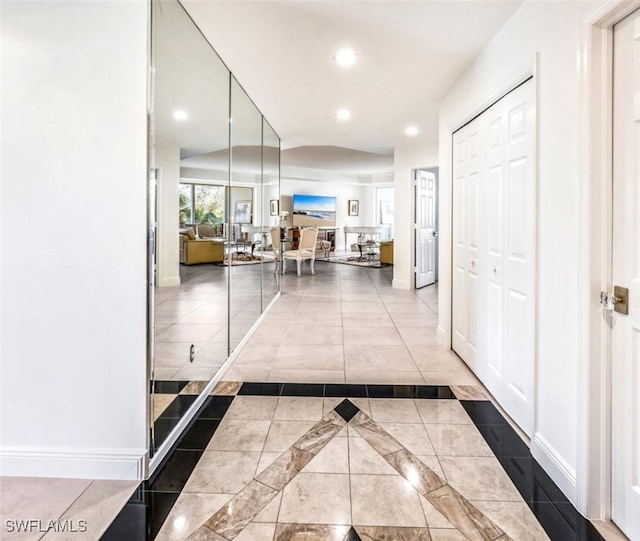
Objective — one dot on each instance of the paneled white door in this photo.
(426, 233)
(625, 455)
(494, 249)
(466, 251)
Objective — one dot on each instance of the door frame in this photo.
(593, 477)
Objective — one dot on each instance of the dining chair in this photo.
(306, 250)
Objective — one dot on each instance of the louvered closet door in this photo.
(499, 247)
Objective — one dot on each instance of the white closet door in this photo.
(466, 180)
(494, 210)
(625, 426)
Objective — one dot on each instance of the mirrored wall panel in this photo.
(208, 246)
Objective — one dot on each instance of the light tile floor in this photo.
(344, 325)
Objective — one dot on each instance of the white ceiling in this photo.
(409, 54)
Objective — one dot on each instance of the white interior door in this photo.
(426, 232)
(625, 456)
(494, 248)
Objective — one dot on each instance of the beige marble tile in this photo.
(419, 336)
(239, 435)
(432, 461)
(266, 459)
(194, 388)
(306, 376)
(469, 392)
(283, 434)
(270, 512)
(333, 458)
(30, 498)
(463, 515)
(196, 372)
(292, 408)
(372, 336)
(446, 535)
(442, 411)
(404, 377)
(160, 403)
(317, 498)
(321, 358)
(413, 436)
(97, 506)
(368, 320)
(394, 410)
(385, 500)
(457, 440)
(205, 534)
(364, 459)
(375, 436)
(227, 388)
(428, 321)
(231, 519)
(280, 472)
(407, 308)
(609, 530)
(377, 358)
(256, 531)
(422, 478)
(515, 519)
(363, 308)
(479, 478)
(190, 511)
(310, 532)
(331, 402)
(321, 433)
(252, 353)
(252, 407)
(435, 519)
(224, 472)
(377, 533)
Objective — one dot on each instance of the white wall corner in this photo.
(555, 466)
(169, 282)
(444, 336)
(125, 464)
(401, 284)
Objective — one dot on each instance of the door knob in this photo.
(618, 301)
(434, 233)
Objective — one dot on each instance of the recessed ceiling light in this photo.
(343, 114)
(180, 115)
(412, 130)
(345, 57)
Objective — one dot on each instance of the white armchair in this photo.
(306, 250)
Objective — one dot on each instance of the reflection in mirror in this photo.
(209, 214)
(247, 243)
(270, 206)
(190, 156)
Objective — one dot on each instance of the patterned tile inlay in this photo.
(233, 517)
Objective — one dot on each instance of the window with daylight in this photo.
(201, 204)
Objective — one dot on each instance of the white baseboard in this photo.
(169, 282)
(556, 467)
(74, 464)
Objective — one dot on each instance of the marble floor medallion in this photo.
(230, 520)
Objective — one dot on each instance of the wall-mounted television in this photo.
(314, 210)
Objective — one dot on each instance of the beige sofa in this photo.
(205, 250)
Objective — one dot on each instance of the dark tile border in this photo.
(344, 390)
(559, 518)
(143, 516)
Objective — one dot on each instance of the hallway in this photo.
(355, 418)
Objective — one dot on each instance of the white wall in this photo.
(343, 193)
(167, 161)
(549, 30)
(413, 155)
(73, 239)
